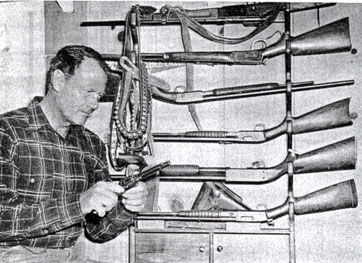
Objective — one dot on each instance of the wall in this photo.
(21, 53)
(327, 237)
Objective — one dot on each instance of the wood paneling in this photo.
(187, 248)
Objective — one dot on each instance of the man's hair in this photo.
(69, 58)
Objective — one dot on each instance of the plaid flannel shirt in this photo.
(41, 178)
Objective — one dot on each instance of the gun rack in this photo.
(207, 228)
(290, 147)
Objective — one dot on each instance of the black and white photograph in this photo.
(180, 131)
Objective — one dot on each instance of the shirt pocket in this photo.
(34, 187)
(34, 182)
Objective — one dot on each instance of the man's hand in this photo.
(134, 198)
(101, 198)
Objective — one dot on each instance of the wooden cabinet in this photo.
(211, 244)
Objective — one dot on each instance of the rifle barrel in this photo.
(247, 14)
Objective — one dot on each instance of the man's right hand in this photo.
(101, 198)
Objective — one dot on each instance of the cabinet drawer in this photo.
(166, 247)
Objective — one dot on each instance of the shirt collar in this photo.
(37, 118)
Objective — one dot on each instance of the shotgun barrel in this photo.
(237, 92)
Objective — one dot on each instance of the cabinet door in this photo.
(250, 248)
(175, 247)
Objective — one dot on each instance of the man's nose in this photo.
(94, 101)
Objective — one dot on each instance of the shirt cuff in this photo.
(120, 216)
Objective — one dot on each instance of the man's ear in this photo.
(58, 80)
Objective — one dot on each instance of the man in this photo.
(53, 171)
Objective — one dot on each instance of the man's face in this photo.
(80, 94)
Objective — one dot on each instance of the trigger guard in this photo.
(264, 44)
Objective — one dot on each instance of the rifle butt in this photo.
(333, 157)
(335, 197)
(331, 38)
(333, 115)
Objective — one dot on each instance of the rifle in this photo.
(160, 89)
(330, 116)
(237, 92)
(333, 157)
(331, 38)
(335, 197)
(249, 14)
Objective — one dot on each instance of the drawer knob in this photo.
(219, 248)
(202, 249)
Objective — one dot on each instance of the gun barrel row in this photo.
(248, 14)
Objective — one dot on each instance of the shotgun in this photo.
(335, 197)
(333, 115)
(333, 157)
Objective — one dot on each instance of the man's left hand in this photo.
(134, 198)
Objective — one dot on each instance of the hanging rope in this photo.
(131, 114)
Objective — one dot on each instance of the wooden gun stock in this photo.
(338, 196)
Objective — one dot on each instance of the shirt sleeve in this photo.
(19, 220)
(117, 220)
